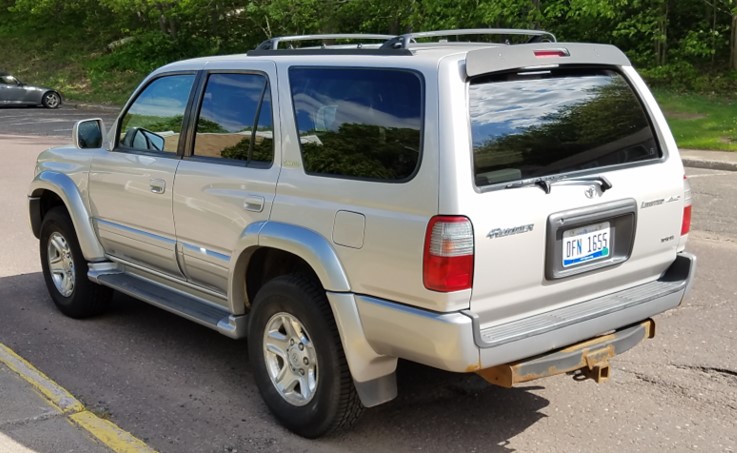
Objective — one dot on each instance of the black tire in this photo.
(334, 404)
(65, 269)
(51, 100)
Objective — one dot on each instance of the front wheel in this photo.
(65, 269)
(51, 100)
(298, 359)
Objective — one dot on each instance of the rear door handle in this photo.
(254, 203)
(157, 185)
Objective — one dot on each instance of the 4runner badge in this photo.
(502, 232)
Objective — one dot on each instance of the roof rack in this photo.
(383, 45)
(273, 43)
(403, 41)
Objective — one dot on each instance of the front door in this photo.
(131, 186)
(10, 90)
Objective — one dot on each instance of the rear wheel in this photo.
(298, 358)
(65, 269)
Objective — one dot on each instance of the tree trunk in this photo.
(661, 41)
(733, 43)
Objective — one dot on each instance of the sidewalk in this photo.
(37, 415)
(715, 160)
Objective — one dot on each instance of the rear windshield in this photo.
(536, 124)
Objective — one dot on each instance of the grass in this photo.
(701, 121)
(66, 66)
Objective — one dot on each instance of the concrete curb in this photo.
(104, 431)
(87, 106)
(710, 164)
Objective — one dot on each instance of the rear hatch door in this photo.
(574, 195)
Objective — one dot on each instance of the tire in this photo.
(298, 359)
(65, 269)
(51, 100)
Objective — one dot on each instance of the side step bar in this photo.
(591, 358)
(180, 303)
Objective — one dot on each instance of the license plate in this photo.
(585, 244)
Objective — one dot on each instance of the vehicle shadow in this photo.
(183, 387)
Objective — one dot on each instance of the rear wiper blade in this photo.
(546, 182)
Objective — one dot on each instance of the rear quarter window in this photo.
(359, 123)
(536, 124)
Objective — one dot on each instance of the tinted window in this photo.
(235, 119)
(539, 124)
(358, 123)
(154, 120)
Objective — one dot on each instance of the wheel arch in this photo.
(269, 249)
(49, 189)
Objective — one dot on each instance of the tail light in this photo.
(686, 222)
(552, 53)
(448, 255)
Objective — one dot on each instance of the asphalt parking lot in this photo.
(180, 387)
(45, 122)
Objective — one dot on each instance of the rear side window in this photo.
(529, 125)
(358, 123)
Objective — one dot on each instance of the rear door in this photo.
(573, 194)
(227, 179)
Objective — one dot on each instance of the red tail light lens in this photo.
(448, 255)
(686, 222)
(552, 53)
(686, 225)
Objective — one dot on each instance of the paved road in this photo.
(45, 122)
(183, 388)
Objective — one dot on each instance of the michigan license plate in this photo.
(585, 244)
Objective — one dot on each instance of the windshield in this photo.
(535, 124)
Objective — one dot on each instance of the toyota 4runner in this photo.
(513, 210)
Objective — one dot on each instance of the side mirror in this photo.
(88, 133)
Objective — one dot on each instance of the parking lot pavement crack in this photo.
(31, 420)
(722, 372)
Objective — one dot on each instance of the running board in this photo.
(179, 303)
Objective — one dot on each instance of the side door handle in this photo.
(157, 185)
(254, 203)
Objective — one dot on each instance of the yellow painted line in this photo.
(57, 395)
(112, 436)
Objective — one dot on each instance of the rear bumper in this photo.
(457, 342)
(591, 357)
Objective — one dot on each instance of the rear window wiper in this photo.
(546, 182)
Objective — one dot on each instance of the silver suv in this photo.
(513, 210)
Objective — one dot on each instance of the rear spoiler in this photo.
(505, 58)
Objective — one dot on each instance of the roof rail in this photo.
(403, 41)
(273, 43)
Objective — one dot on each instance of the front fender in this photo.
(63, 186)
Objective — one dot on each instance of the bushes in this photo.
(684, 77)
